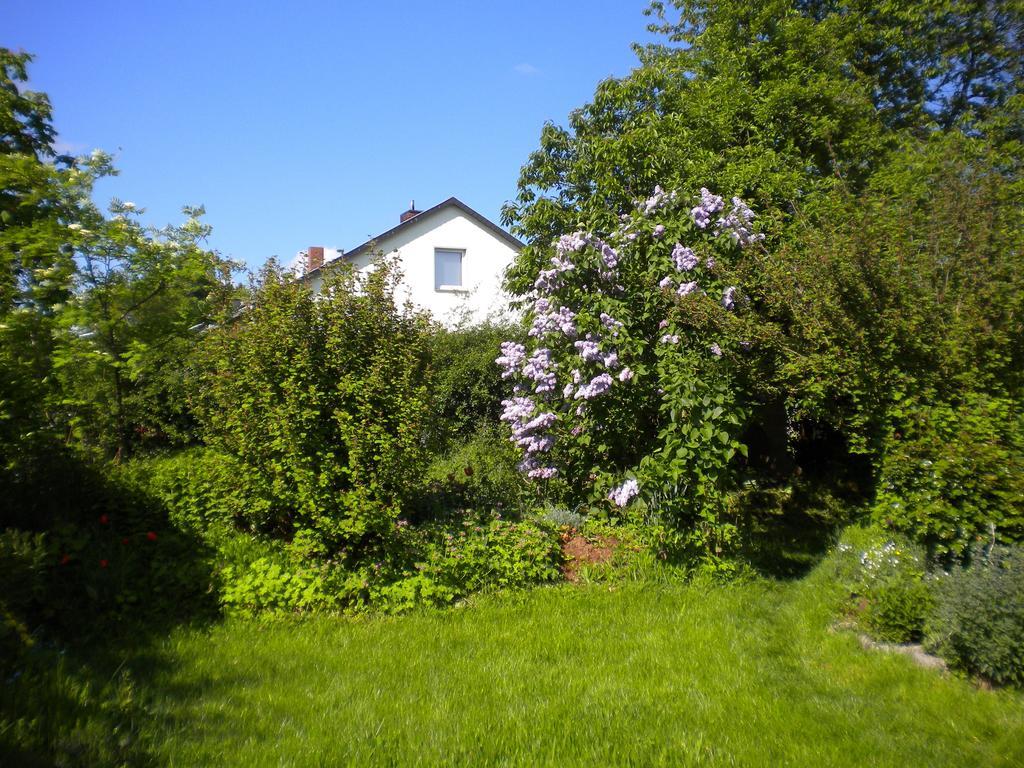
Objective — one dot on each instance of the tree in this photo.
(139, 300)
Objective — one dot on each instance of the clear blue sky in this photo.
(315, 123)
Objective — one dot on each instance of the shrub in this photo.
(955, 473)
(204, 491)
(978, 622)
(883, 579)
(323, 401)
(466, 387)
(478, 474)
(492, 552)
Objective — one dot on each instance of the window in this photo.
(448, 269)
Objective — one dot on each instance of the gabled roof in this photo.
(484, 222)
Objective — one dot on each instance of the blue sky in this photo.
(315, 123)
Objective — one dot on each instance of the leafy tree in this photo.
(882, 148)
(139, 300)
(41, 194)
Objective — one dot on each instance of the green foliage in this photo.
(490, 552)
(883, 582)
(480, 474)
(955, 474)
(466, 388)
(323, 401)
(131, 325)
(204, 491)
(978, 622)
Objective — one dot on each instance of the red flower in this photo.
(104, 563)
(151, 536)
(104, 519)
(125, 541)
(65, 560)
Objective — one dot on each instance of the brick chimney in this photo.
(410, 213)
(314, 258)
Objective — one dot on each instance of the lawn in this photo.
(638, 674)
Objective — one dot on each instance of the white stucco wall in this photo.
(486, 256)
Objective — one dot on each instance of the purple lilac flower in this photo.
(663, 325)
(666, 282)
(512, 356)
(570, 243)
(738, 224)
(567, 391)
(716, 350)
(538, 369)
(710, 263)
(577, 377)
(588, 350)
(611, 323)
(611, 258)
(687, 288)
(729, 297)
(684, 258)
(621, 495)
(709, 205)
(596, 387)
(625, 374)
(669, 339)
(659, 231)
(548, 281)
(611, 360)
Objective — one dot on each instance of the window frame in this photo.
(440, 287)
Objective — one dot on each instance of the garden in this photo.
(745, 486)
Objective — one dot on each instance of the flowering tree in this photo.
(624, 387)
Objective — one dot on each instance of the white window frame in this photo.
(444, 287)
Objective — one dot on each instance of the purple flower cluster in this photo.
(685, 259)
(610, 323)
(620, 496)
(527, 432)
(687, 288)
(539, 369)
(512, 356)
(544, 322)
(596, 387)
(659, 199)
(709, 205)
(739, 224)
(588, 350)
(729, 297)
(626, 374)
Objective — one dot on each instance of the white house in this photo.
(453, 261)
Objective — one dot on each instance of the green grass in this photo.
(637, 674)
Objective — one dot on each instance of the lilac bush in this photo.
(624, 389)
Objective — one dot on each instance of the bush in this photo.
(491, 552)
(978, 622)
(883, 578)
(322, 399)
(205, 492)
(466, 385)
(480, 473)
(955, 473)
(93, 551)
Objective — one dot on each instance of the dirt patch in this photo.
(580, 551)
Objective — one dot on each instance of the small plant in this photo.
(884, 579)
(978, 622)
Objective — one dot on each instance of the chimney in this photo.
(410, 213)
(314, 258)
